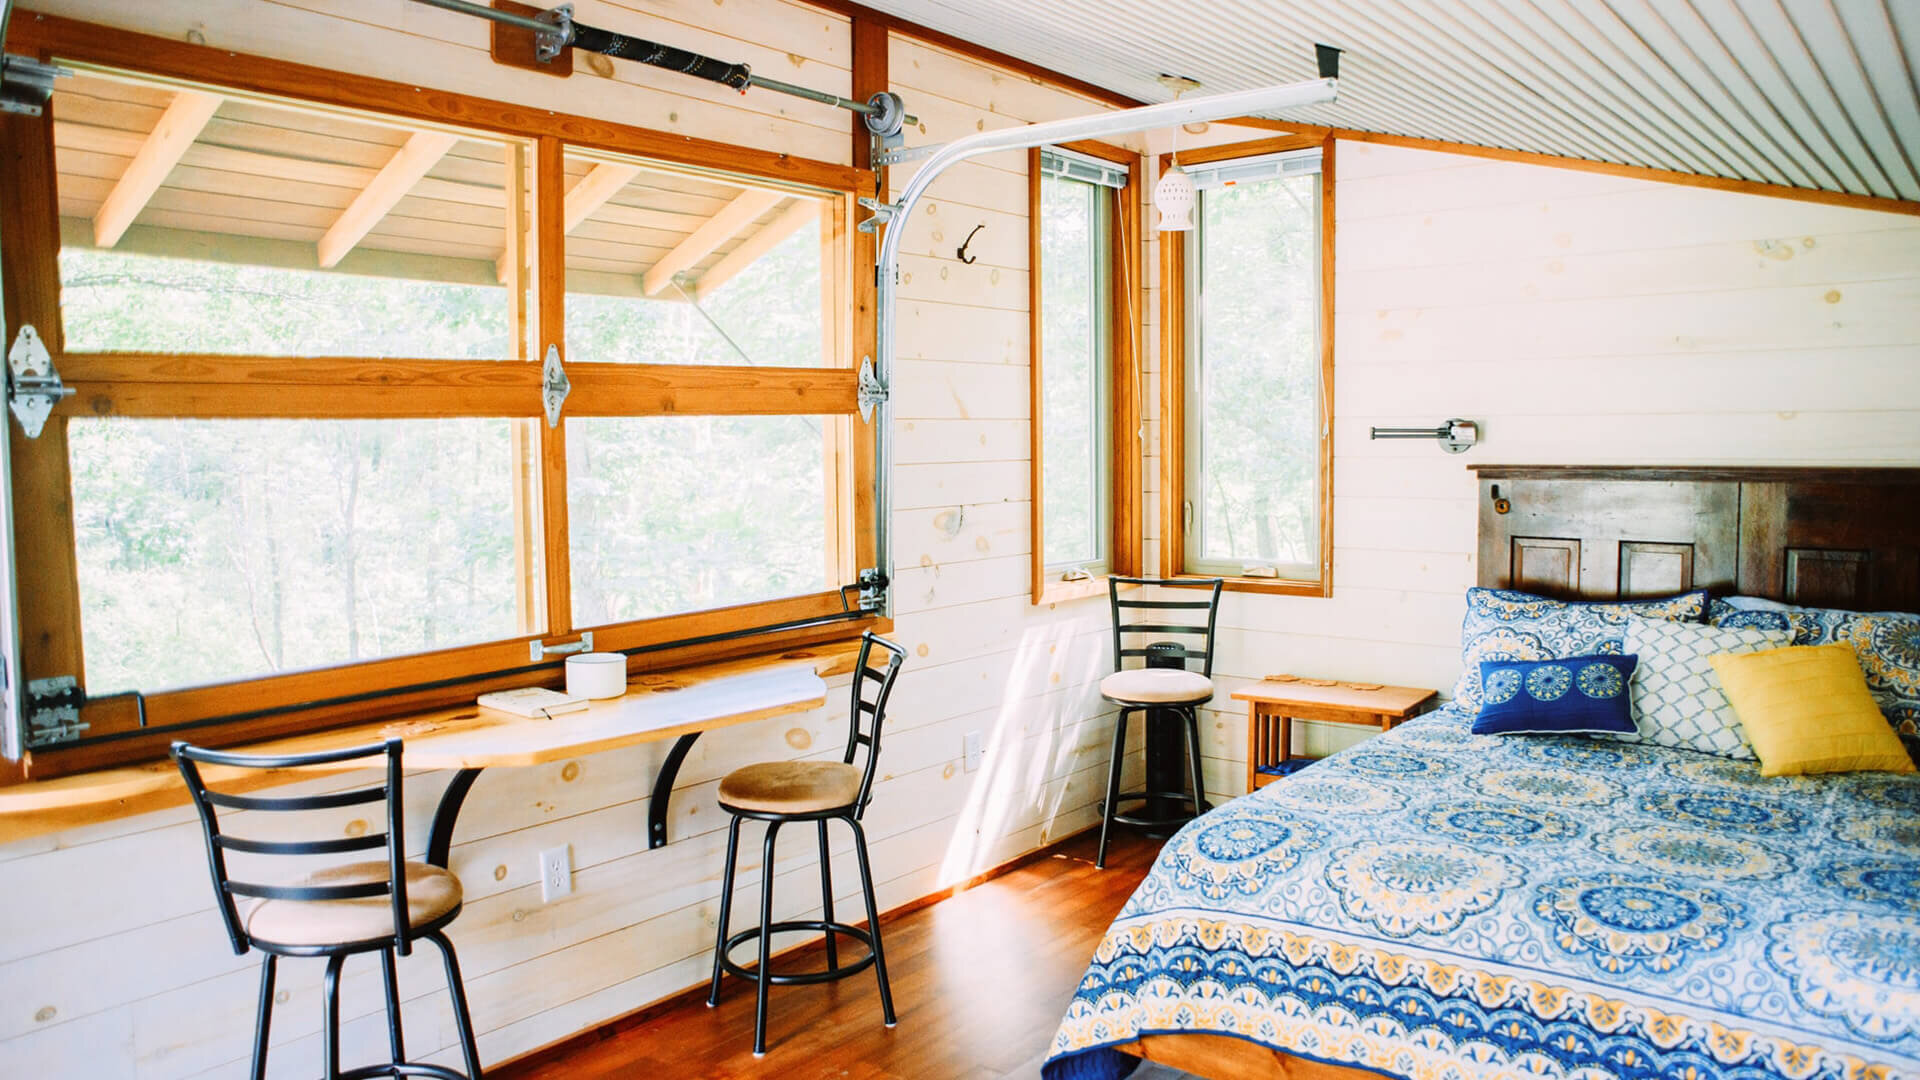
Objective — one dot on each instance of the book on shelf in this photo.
(533, 701)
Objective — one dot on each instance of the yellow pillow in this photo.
(1806, 709)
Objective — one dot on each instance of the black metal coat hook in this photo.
(961, 253)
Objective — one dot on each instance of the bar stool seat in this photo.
(1157, 686)
(432, 894)
(791, 787)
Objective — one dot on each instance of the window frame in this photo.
(154, 385)
(1123, 454)
(1174, 341)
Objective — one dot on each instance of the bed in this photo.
(1436, 904)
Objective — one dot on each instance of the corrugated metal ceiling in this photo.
(1806, 93)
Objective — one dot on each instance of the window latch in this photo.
(538, 650)
(33, 386)
(554, 385)
(1186, 515)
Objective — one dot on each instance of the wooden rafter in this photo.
(186, 115)
(706, 239)
(802, 213)
(588, 194)
(391, 184)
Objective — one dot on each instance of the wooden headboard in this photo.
(1845, 538)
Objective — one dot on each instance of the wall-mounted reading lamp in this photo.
(1455, 436)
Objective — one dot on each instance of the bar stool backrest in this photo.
(226, 889)
(1162, 625)
(874, 704)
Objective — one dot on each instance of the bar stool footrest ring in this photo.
(800, 978)
(403, 1068)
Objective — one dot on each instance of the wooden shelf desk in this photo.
(1273, 706)
(657, 706)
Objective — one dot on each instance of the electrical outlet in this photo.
(556, 873)
(973, 749)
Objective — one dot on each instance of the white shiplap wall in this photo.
(118, 967)
(1581, 318)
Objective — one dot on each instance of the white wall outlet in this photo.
(974, 749)
(556, 873)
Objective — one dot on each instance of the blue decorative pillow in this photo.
(1580, 695)
(1887, 642)
(1505, 625)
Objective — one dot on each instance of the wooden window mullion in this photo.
(44, 552)
(550, 276)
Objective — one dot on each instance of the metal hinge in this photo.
(53, 711)
(872, 390)
(554, 385)
(33, 386)
(26, 84)
(873, 589)
(538, 650)
(882, 214)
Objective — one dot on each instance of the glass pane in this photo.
(1259, 367)
(666, 267)
(1072, 378)
(212, 550)
(673, 514)
(281, 231)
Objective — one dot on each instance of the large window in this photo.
(310, 460)
(1252, 364)
(1084, 408)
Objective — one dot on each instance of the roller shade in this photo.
(1246, 170)
(1085, 168)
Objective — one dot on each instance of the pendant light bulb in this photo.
(1174, 196)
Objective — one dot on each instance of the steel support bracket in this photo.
(872, 390)
(53, 711)
(26, 84)
(554, 385)
(902, 154)
(547, 44)
(33, 386)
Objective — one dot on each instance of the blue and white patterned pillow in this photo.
(1677, 700)
(1887, 643)
(1505, 625)
(1580, 695)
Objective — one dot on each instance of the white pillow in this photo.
(1677, 700)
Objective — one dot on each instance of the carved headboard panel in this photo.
(1846, 538)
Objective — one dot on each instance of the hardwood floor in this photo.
(979, 981)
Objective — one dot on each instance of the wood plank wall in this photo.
(125, 971)
(1582, 319)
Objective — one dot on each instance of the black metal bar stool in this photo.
(818, 791)
(1175, 689)
(381, 906)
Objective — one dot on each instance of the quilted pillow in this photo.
(1887, 643)
(1580, 695)
(1677, 699)
(1505, 625)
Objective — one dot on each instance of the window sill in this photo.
(1269, 586)
(1047, 593)
(39, 807)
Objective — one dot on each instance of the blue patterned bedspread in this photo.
(1434, 904)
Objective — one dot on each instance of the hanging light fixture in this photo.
(1174, 196)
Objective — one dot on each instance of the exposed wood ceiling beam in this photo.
(802, 213)
(421, 152)
(704, 240)
(178, 127)
(588, 194)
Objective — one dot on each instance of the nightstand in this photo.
(1274, 704)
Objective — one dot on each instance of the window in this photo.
(309, 464)
(1252, 363)
(1085, 428)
